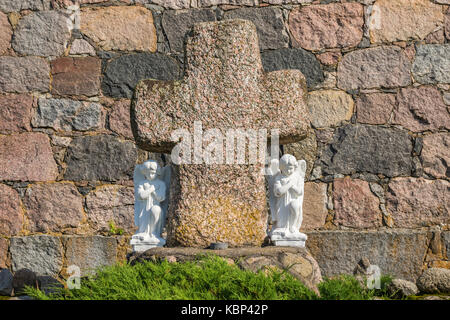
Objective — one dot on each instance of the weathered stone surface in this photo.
(269, 24)
(6, 282)
(383, 66)
(403, 20)
(314, 206)
(177, 23)
(119, 118)
(329, 58)
(26, 157)
(24, 277)
(67, 3)
(432, 64)
(123, 73)
(133, 28)
(362, 148)
(80, 46)
(287, 58)
(416, 202)
(374, 108)
(328, 108)
(76, 76)
(305, 149)
(44, 33)
(53, 207)
(5, 33)
(209, 3)
(15, 113)
(436, 154)
(224, 88)
(68, 115)
(11, 216)
(400, 288)
(336, 25)
(24, 74)
(172, 4)
(434, 280)
(18, 5)
(355, 205)
(4, 259)
(40, 254)
(111, 203)
(100, 157)
(299, 262)
(386, 249)
(90, 252)
(420, 109)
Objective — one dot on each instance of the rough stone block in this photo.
(76, 76)
(4, 259)
(397, 252)
(123, 74)
(420, 109)
(314, 206)
(335, 25)
(15, 113)
(44, 33)
(11, 215)
(53, 207)
(431, 64)
(108, 204)
(101, 158)
(374, 108)
(27, 157)
(119, 118)
(24, 74)
(124, 28)
(90, 252)
(417, 202)
(436, 154)
(68, 115)
(403, 20)
(40, 254)
(362, 148)
(5, 33)
(355, 205)
(19, 5)
(328, 108)
(383, 66)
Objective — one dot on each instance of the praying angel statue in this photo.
(151, 184)
(286, 179)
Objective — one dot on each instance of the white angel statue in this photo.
(286, 188)
(151, 184)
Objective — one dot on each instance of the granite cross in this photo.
(224, 87)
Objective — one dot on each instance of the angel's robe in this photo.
(283, 200)
(144, 206)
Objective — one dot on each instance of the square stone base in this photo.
(280, 239)
(140, 245)
(289, 243)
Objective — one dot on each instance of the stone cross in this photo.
(224, 87)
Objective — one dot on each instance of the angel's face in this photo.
(288, 164)
(150, 170)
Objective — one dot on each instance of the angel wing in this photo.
(138, 178)
(273, 171)
(301, 170)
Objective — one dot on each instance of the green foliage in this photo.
(207, 278)
(344, 287)
(113, 230)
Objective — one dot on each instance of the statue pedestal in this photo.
(283, 239)
(141, 244)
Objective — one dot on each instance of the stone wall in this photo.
(378, 73)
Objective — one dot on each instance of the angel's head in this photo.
(288, 164)
(150, 169)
